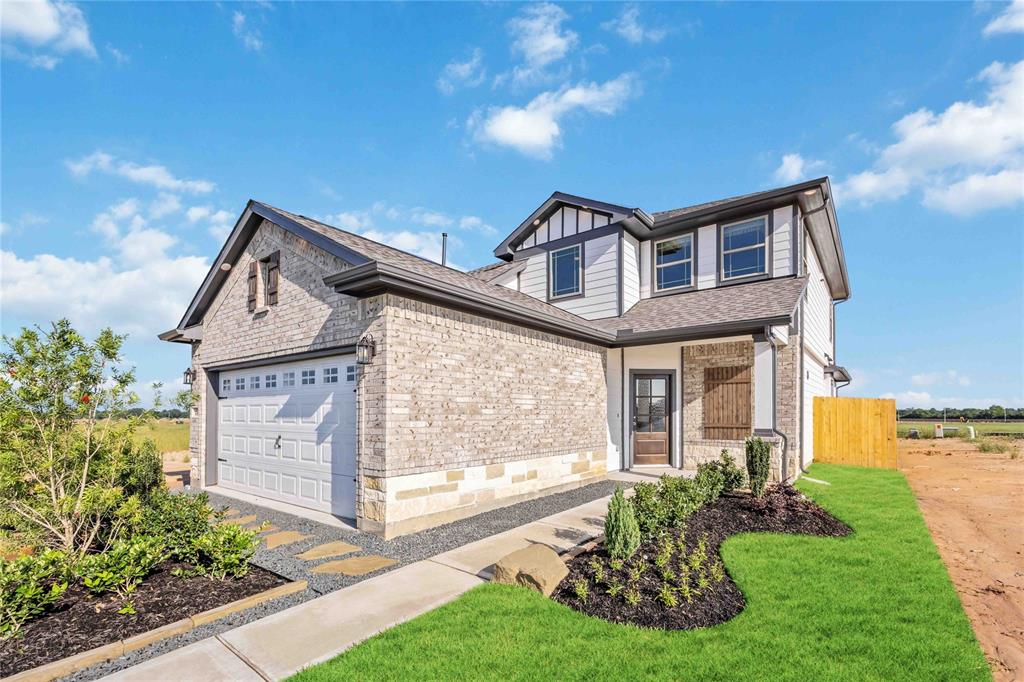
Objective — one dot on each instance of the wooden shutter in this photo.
(727, 403)
(254, 268)
(273, 273)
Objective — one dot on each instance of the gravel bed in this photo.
(404, 550)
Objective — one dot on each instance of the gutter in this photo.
(784, 474)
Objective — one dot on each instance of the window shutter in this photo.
(273, 273)
(727, 403)
(253, 272)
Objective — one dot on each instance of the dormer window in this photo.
(565, 272)
(673, 263)
(744, 249)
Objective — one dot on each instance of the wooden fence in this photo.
(857, 431)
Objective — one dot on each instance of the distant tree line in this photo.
(969, 413)
(172, 413)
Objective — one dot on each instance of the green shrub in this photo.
(991, 446)
(733, 477)
(28, 585)
(681, 497)
(122, 567)
(710, 481)
(621, 532)
(178, 518)
(651, 515)
(223, 551)
(758, 462)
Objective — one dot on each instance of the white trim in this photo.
(551, 280)
(691, 260)
(721, 248)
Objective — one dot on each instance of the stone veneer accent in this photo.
(697, 449)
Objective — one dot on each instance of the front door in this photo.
(652, 397)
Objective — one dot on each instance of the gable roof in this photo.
(489, 273)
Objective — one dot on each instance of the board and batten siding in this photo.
(565, 222)
(817, 308)
(630, 271)
(600, 279)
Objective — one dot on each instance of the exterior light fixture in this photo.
(225, 267)
(188, 377)
(365, 350)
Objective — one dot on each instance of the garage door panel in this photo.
(289, 440)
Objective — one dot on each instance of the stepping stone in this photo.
(240, 521)
(231, 511)
(357, 565)
(284, 537)
(326, 550)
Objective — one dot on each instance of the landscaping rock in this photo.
(537, 567)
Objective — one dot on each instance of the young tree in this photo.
(69, 478)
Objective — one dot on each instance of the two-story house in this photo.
(345, 377)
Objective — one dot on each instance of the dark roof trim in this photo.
(245, 228)
(625, 337)
(504, 250)
(823, 226)
(375, 277)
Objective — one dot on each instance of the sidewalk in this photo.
(280, 645)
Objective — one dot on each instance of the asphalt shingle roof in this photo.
(720, 305)
(686, 210)
(490, 272)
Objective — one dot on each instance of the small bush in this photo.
(122, 567)
(710, 481)
(651, 514)
(622, 534)
(733, 477)
(681, 497)
(28, 585)
(667, 596)
(180, 519)
(758, 463)
(581, 589)
(991, 446)
(223, 551)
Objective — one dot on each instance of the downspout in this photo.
(775, 388)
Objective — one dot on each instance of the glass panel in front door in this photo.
(650, 404)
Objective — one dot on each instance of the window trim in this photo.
(655, 291)
(551, 280)
(722, 279)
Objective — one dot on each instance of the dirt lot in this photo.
(177, 469)
(972, 503)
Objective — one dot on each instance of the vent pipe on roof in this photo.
(444, 248)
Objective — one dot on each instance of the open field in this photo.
(168, 434)
(927, 428)
(876, 605)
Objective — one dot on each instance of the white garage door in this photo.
(288, 432)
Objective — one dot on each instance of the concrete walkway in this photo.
(280, 645)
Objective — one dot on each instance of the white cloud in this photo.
(425, 244)
(471, 223)
(925, 399)
(1010, 20)
(219, 223)
(628, 25)
(4, 228)
(142, 246)
(467, 74)
(534, 129)
(972, 148)
(164, 205)
(56, 27)
(539, 40)
(950, 377)
(154, 175)
(430, 218)
(119, 56)
(107, 222)
(352, 221)
(250, 37)
(794, 167)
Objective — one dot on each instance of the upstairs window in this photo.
(673, 263)
(565, 272)
(745, 249)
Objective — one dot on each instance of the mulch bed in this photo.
(783, 509)
(81, 621)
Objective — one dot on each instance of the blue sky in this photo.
(134, 133)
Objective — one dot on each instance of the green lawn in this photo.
(927, 429)
(877, 605)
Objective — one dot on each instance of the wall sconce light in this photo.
(188, 377)
(365, 350)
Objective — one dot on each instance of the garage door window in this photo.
(271, 381)
(350, 373)
(226, 385)
(288, 379)
(308, 377)
(330, 375)
(254, 382)
(240, 384)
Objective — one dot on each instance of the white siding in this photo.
(815, 384)
(707, 256)
(782, 241)
(600, 280)
(646, 260)
(565, 222)
(630, 271)
(817, 308)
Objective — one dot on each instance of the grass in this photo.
(168, 435)
(927, 429)
(877, 605)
